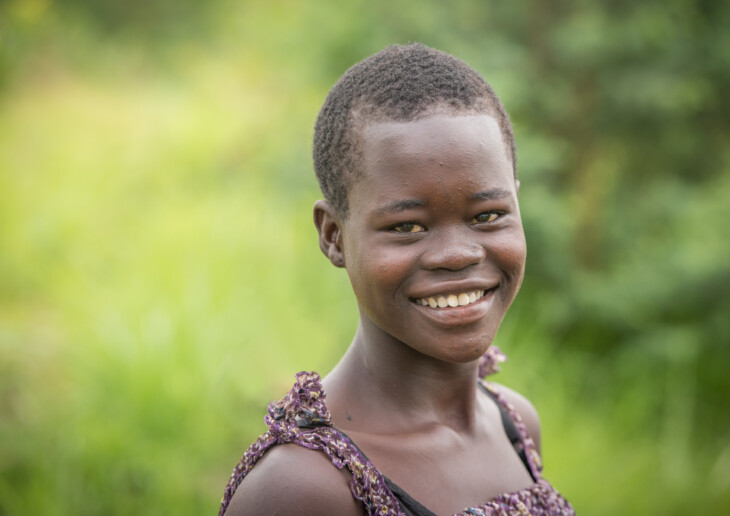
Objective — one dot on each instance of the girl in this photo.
(415, 156)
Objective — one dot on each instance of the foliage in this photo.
(160, 280)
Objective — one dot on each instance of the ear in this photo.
(330, 233)
(517, 185)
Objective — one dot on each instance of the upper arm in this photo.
(290, 480)
(526, 411)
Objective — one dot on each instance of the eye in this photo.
(408, 227)
(487, 216)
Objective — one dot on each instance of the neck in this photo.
(405, 388)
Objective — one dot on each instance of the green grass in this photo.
(154, 298)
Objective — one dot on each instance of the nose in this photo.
(453, 249)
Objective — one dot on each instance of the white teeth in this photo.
(452, 300)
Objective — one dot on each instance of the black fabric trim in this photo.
(512, 433)
(409, 505)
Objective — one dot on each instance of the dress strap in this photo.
(532, 457)
(302, 418)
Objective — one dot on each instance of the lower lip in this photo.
(459, 315)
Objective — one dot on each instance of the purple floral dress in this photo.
(302, 418)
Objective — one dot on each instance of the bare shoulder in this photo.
(526, 411)
(291, 480)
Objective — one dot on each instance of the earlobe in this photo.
(330, 234)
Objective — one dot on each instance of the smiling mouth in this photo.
(452, 300)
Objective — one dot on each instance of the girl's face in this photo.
(433, 244)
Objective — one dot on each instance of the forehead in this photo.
(466, 137)
(449, 152)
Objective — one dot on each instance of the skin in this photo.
(435, 213)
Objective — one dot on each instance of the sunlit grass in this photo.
(155, 294)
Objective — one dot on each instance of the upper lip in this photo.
(452, 287)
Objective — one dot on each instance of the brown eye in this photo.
(409, 227)
(487, 216)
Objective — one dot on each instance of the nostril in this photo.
(454, 257)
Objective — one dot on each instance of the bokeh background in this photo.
(160, 280)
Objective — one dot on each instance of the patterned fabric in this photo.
(296, 419)
(302, 418)
(489, 361)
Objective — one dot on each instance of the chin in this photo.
(463, 352)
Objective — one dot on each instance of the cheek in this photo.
(375, 276)
(391, 268)
(371, 269)
(511, 251)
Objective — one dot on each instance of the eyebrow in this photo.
(491, 195)
(400, 205)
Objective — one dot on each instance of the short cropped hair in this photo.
(400, 83)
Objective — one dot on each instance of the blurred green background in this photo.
(160, 281)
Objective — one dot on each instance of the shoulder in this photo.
(292, 480)
(526, 411)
